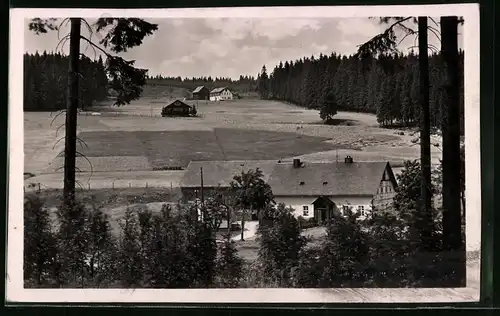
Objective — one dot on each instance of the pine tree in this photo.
(264, 83)
(328, 108)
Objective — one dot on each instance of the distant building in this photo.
(312, 189)
(178, 108)
(221, 94)
(201, 93)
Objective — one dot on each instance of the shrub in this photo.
(40, 249)
(306, 223)
(229, 265)
(280, 244)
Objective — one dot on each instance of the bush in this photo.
(305, 223)
(40, 248)
(229, 265)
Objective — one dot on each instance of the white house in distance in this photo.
(221, 94)
(312, 189)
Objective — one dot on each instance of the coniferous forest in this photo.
(46, 81)
(387, 86)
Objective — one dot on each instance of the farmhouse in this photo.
(201, 93)
(312, 189)
(220, 94)
(178, 108)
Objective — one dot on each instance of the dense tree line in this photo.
(243, 84)
(174, 248)
(387, 86)
(46, 81)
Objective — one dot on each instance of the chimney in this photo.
(348, 159)
(296, 163)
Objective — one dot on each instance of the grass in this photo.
(112, 197)
(178, 148)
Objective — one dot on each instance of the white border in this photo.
(14, 285)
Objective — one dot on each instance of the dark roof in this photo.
(198, 89)
(177, 103)
(218, 90)
(221, 173)
(357, 178)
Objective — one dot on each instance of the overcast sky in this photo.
(229, 47)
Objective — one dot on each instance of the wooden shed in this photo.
(178, 108)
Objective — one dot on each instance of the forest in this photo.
(244, 84)
(387, 86)
(46, 81)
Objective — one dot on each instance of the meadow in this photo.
(131, 142)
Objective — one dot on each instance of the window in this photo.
(305, 208)
(302, 183)
(305, 213)
(345, 208)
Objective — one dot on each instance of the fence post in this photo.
(89, 185)
(39, 187)
(129, 185)
(113, 184)
(146, 184)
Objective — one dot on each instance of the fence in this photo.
(37, 187)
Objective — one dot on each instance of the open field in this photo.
(124, 141)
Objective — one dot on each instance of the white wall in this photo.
(298, 203)
(226, 95)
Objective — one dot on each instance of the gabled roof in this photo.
(177, 103)
(337, 178)
(312, 179)
(221, 173)
(218, 90)
(198, 89)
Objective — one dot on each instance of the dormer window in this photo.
(302, 183)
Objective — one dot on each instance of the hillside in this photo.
(156, 91)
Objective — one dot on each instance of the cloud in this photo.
(230, 47)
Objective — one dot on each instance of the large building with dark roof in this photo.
(312, 189)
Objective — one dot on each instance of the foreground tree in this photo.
(386, 42)
(451, 164)
(126, 80)
(40, 248)
(424, 216)
(229, 264)
(281, 243)
(251, 193)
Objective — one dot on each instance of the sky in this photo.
(230, 47)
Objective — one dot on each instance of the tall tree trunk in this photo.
(71, 113)
(452, 221)
(425, 226)
(243, 225)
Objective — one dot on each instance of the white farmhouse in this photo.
(221, 94)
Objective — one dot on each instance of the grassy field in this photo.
(136, 138)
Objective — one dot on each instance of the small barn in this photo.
(201, 93)
(178, 108)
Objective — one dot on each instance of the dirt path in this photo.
(250, 231)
